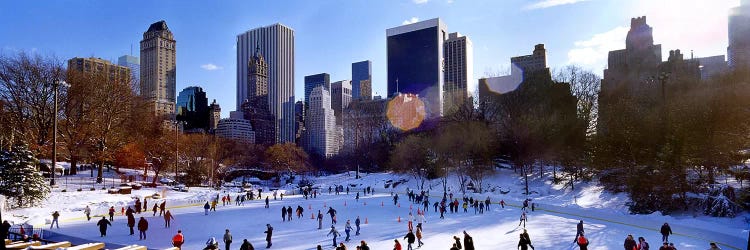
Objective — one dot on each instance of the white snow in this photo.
(552, 226)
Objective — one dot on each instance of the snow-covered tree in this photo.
(20, 181)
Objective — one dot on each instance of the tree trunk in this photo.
(99, 172)
(525, 178)
(73, 166)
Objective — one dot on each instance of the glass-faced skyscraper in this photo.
(134, 63)
(313, 81)
(414, 55)
(276, 43)
(192, 107)
(362, 71)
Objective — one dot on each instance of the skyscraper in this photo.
(459, 69)
(415, 62)
(256, 106)
(214, 111)
(341, 96)
(321, 124)
(159, 69)
(276, 43)
(738, 51)
(236, 127)
(362, 71)
(313, 81)
(192, 107)
(134, 64)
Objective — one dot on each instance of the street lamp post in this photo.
(177, 147)
(55, 86)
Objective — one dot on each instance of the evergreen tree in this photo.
(20, 181)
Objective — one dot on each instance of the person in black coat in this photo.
(468, 242)
(131, 223)
(142, 227)
(666, 230)
(4, 229)
(409, 239)
(458, 242)
(579, 230)
(523, 243)
(283, 214)
(103, 223)
(629, 242)
(269, 233)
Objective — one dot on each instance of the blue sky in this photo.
(331, 34)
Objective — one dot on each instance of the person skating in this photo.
(320, 220)
(87, 211)
(283, 214)
(269, 234)
(356, 223)
(4, 229)
(525, 234)
(111, 213)
(103, 223)
(213, 205)
(410, 222)
(579, 230)
(523, 243)
(396, 245)
(630, 243)
(178, 239)
(332, 212)
(266, 199)
(341, 246)
(454, 247)
(206, 207)
(227, 239)
(142, 227)
(131, 222)
(211, 244)
(300, 211)
(666, 230)
(155, 209)
(168, 219)
(583, 243)
(665, 246)
(395, 199)
(246, 245)
(419, 236)
(137, 206)
(363, 245)
(347, 230)
(162, 207)
(642, 244)
(468, 242)
(335, 234)
(458, 242)
(522, 220)
(55, 217)
(502, 203)
(713, 246)
(410, 238)
(289, 213)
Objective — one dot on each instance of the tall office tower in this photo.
(134, 64)
(236, 127)
(459, 70)
(214, 111)
(93, 65)
(313, 81)
(362, 71)
(192, 107)
(738, 51)
(276, 43)
(415, 62)
(255, 106)
(529, 63)
(321, 124)
(159, 69)
(299, 121)
(341, 96)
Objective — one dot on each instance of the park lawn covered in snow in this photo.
(552, 226)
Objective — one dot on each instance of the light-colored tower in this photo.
(321, 124)
(159, 69)
(236, 127)
(276, 43)
(341, 96)
(738, 51)
(459, 69)
(94, 65)
(214, 115)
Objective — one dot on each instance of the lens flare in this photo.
(406, 111)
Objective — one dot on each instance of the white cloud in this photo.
(410, 21)
(449, 1)
(210, 67)
(550, 3)
(594, 51)
(420, 1)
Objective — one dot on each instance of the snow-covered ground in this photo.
(551, 226)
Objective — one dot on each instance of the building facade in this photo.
(365, 122)
(159, 69)
(459, 70)
(214, 111)
(93, 65)
(362, 80)
(276, 43)
(256, 107)
(321, 124)
(415, 62)
(341, 96)
(192, 108)
(312, 81)
(236, 127)
(738, 51)
(134, 64)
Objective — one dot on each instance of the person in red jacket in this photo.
(397, 245)
(142, 227)
(178, 239)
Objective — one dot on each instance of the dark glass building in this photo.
(361, 71)
(313, 81)
(192, 107)
(415, 53)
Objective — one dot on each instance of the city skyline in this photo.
(207, 45)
